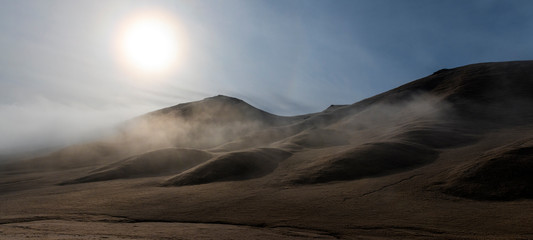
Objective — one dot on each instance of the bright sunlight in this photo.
(149, 43)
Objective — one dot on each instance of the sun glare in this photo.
(149, 43)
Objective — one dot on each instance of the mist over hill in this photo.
(453, 145)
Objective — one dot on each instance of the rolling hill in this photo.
(447, 156)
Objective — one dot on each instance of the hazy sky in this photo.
(59, 76)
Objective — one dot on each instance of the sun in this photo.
(149, 43)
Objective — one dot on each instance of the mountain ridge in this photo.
(402, 164)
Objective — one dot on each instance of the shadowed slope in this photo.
(499, 93)
(156, 163)
(437, 135)
(319, 138)
(502, 174)
(232, 166)
(368, 160)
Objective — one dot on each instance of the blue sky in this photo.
(59, 78)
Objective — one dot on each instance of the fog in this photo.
(43, 123)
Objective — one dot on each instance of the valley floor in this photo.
(374, 208)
